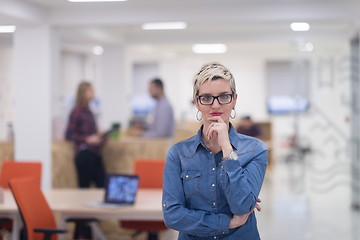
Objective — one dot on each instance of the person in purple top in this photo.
(82, 130)
(249, 128)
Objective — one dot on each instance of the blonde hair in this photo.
(213, 71)
(81, 99)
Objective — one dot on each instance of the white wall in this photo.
(34, 72)
(114, 100)
(75, 67)
(6, 91)
(326, 126)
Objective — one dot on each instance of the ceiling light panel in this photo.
(209, 48)
(164, 25)
(7, 29)
(300, 26)
(97, 0)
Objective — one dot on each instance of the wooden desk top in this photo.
(73, 203)
(8, 204)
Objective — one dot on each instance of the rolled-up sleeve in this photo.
(241, 180)
(176, 215)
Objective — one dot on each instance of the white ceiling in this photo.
(209, 21)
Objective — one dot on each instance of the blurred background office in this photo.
(296, 65)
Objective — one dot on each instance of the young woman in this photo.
(82, 130)
(212, 180)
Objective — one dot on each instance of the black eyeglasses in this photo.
(209, 100)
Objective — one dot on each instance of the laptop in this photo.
(120, 190)
(108, 133)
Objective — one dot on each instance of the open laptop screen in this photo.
(121, 188)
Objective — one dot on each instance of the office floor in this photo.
(296, 208)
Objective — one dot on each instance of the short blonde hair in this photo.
(213, 71)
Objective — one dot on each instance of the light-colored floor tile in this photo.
(295, 206)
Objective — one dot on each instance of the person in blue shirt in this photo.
(213, 179)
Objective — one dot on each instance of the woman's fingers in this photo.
(213, 128)
(217, 128)
(257, 206)
(209, 132)
(216, 119)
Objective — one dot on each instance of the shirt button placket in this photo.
(212, 194)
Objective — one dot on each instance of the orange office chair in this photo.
(151, 176)
(12, 169)
(35, 212)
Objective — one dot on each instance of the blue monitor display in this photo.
(286, 104)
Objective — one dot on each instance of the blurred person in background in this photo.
(162, 124)
(249, 128)
(212, 180)
(82, 130)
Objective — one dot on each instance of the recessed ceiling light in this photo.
(97, 0)
(309, 47)
(300, 26)
(209, 48)
(164, 25)
(306, 47)
(98, 50)
(7, 29)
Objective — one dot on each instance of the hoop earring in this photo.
(234, 114)
(197, 116)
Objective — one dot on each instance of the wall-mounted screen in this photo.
(286, 104)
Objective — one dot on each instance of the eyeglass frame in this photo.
(215, 97)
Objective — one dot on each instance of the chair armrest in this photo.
(48, 232)
(76, 220)
(2, 220)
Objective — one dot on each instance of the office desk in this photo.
(8, 209)
(72, 203)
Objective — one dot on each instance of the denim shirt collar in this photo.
(233, 135)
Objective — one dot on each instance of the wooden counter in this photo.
(6, 151)
(118, 155)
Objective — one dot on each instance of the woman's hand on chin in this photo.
(220, 130)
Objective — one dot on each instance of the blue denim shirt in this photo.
(201, 192)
